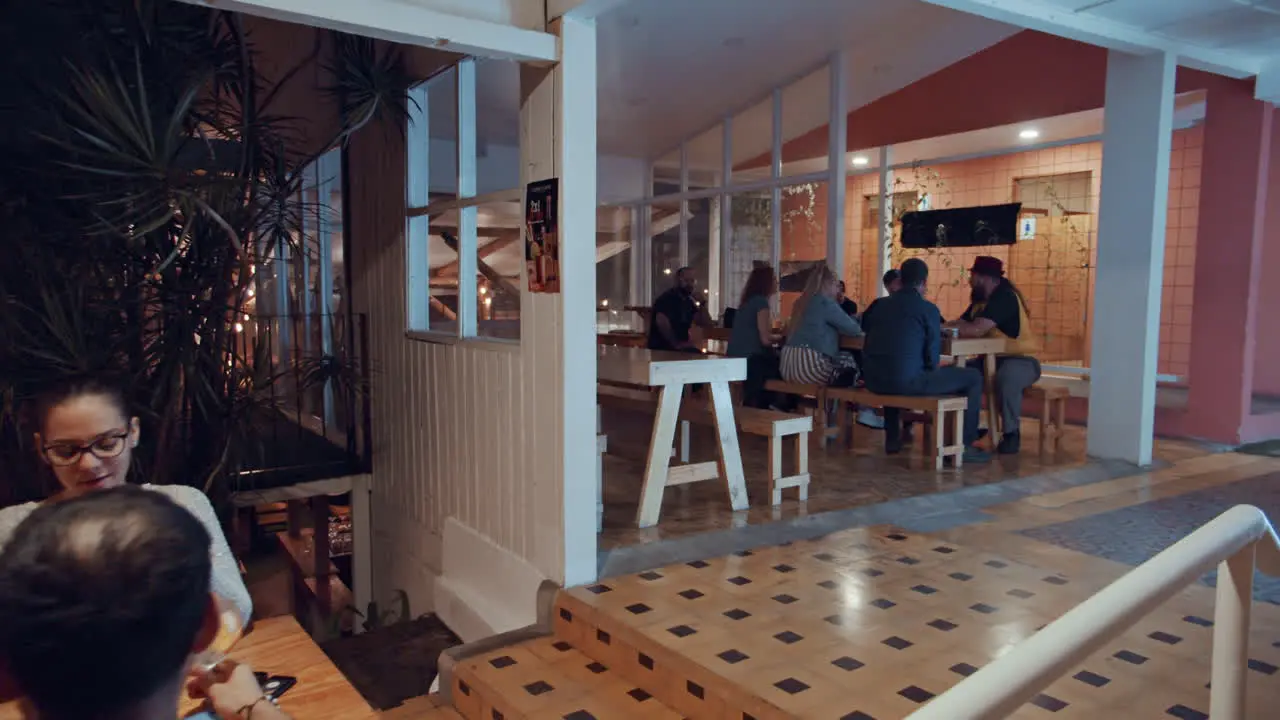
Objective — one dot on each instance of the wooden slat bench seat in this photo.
(777, 426)
(818, 393)
(1053, 413)
(939, 409)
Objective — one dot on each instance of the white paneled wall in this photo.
(464, 431)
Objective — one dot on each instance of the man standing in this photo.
(901, 355)
(674, 313)
(998, 309)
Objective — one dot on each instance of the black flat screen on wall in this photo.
(961, 227)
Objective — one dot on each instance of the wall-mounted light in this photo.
(861, 161)
(1029, 134)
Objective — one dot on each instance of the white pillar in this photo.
(838, 137)
(559, 103)
(1131, 227)
(713, 259)
(576, 164)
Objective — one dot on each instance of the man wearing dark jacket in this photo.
(901, 357)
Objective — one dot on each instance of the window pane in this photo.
(701, 223)
(666, 173)
(705, 155)
(752, 131)
(497, 125)
(442, 248)
(499, 258)
(750, 241)
(805, 118)
(664, 229)
(613, 268)
(442, 123)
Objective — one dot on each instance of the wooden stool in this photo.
(1053, 413)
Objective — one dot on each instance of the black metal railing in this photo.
(311, 415)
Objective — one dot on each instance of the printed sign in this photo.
(542, 237)
(1027, 228)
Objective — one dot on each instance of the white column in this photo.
(713, 259)
(683, 248)
(1131, 227)
(468, 306)
(838, 138)
(576, 163)
(726, 213)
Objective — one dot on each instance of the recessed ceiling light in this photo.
(1029, 134)
(860, 160)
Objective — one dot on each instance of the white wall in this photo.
(459, 432)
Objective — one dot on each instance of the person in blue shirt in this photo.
(752, 336)
(812, 354)
(901, 357)
(674, 314)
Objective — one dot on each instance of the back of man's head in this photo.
(101, 600)
(915, 273)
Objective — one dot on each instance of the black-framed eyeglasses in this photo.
(104, 447)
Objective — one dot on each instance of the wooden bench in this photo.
(777, 426)
(1053, 413)
(639, 399)
(820, 396)
(938, 409)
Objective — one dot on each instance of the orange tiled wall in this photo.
(1055, 271)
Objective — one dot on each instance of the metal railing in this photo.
(1237, 541)
(314, 422)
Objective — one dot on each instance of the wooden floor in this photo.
(841, 479)
(871, 623)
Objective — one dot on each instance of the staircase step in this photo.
(548, 678)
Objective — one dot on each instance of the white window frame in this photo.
(420, 207)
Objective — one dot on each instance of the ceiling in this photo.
(1247, 27)
(670, 69)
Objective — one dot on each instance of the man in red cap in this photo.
(998, 309)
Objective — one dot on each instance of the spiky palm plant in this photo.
(146, 174)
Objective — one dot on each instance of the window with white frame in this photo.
(464, 258)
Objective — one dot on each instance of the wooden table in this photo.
(279, 646)
(669, 373)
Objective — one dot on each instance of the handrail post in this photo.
(1232, 607)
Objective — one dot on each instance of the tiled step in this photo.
(548, 678)
(865, 624)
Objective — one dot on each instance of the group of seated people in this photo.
(901, 352)
(110, 593)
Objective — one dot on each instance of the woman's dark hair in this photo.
(759, 282)
(74, 386)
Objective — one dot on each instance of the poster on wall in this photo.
(542, 237)
(1027, 228)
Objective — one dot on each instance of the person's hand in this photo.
(228, 686)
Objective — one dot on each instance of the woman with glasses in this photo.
(86, 435)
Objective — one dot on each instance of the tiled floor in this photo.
(840, 479)
(873, 623)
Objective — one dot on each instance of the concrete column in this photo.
(1136, 141)
(558, 104)
(837, 149)
(1234, 187)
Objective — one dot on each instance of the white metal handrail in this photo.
(1238, 540)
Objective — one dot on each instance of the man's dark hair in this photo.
(101, 599)
(914, 272)
(889, 276)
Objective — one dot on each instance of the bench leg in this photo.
(775, 469)
(1060, 424)
(939, 441)
(802, 463)
(1046, 424)
(600, 450)
(684, 441)
(957, 429)
(727, 442)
